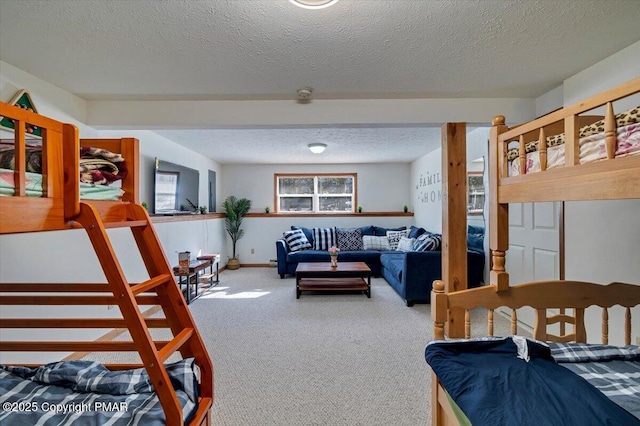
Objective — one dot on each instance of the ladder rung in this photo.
(125, 224)
(150, 283)
(175, 344)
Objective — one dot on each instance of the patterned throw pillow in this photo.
(349, 239)
(323, 238)
(296, 240)
(371, 242)
(428, 242)
(405, 244)
(394, 237)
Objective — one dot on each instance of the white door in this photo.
(534, 248)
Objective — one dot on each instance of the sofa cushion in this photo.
(475, 238)
(368, 230)
(323, 238)
(428, 242)
(349, 239)
(405, 244)
(394, 263)
(307, 233)
(296, 240)
(394, 238)
(380, 232)
(371, 242)
(415, 232)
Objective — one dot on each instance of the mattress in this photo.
(515, 381)
(591, 144)
(85, 393)
(33, 187)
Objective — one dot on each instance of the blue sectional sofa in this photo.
(410, 274)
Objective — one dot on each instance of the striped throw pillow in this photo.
(323, 238)
(428, 242)
(296, 240)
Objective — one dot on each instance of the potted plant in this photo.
(359, 209)
(405, 208)
(235, 210)
(203, 209)
(267, 209)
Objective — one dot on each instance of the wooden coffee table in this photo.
(320, 276)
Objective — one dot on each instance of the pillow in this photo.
(323, 238)
(405, 244)
(372, 242)
(428, 242)
(415, 232)
(307, 233)
(368, 230)
(380, 232)
(296, 240)
(475, 238)
(394, 238)
(349, 239)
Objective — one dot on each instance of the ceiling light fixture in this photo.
(313, 4)
(317, 148)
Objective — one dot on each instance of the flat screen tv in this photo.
(176, 189)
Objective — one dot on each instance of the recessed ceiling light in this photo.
(313, 4)
(317, 148)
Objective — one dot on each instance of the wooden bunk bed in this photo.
(60, 207)
(560, 303)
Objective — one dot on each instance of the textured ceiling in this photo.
(356, 49)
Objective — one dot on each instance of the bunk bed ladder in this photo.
(186, 339)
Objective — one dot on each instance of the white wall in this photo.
(603, 237)
(426, 187)
(67, 256)
(381, 188)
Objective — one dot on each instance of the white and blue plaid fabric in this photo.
(86, 393)
(615, 371)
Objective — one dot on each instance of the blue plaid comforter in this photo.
(515, 381)
(87, 393)
(615, 371)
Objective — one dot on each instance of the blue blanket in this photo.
(496, 384)
(87, 393)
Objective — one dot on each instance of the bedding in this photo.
(516, 381)
(98, 169)
(97, 166)
(87, 393)
(591, 142)
(33, 187)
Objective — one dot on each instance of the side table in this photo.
(214, 258)
(191, 277)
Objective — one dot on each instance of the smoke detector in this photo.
(304, 94)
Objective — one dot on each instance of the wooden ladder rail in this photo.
(177, 315)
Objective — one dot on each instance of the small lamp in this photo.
(317, 148)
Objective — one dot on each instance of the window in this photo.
(322, 193)
(475, 188)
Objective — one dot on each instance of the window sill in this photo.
(372, 214)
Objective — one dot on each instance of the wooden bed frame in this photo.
(60, 207)
(612, 178)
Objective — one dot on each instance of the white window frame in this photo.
(315, 197)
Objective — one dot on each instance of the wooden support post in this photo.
(610, 132)
(498, 213)
(454, 218)
(571, 138)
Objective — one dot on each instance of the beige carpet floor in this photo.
(323, 359)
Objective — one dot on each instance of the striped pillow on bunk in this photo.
(323, 238)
